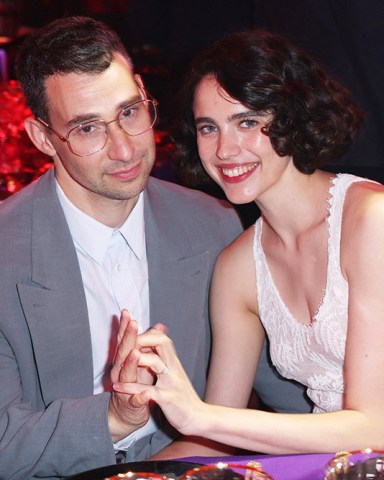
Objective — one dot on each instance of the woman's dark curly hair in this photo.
(315, 119)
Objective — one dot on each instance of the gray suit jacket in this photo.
(51, 424)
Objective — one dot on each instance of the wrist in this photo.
(117, 429)
(120, 425)
(200, 421)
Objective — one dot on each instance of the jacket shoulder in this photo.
(183, 197)
(193, 211)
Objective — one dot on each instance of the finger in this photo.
(134, 389)
(127, 343)
(163, 346)
(125, 318)
(154, 362)
(150, 338)
(128, 372)
(145, 376)
(159, 327)
(167, 352)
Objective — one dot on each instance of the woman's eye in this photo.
(206, 129)
(249, 123)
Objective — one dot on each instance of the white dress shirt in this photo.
(114, 269)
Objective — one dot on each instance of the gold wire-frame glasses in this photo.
(91, 137)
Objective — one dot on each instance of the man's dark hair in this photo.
(66, 45)
(315, 119)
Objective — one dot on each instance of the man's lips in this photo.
(126, 173)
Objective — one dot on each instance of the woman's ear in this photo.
(38, 134)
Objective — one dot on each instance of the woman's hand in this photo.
(173, 390)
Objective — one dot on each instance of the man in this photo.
(91, 238)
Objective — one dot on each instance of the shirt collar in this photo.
(94, 237)
(133, 229)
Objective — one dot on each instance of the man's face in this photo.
(117, 173)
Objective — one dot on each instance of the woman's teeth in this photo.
(237, 171)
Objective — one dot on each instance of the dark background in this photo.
(346, 36)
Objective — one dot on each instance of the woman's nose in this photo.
(228, 146)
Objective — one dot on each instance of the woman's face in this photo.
(232, 146)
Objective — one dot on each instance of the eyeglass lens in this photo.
(91, 137)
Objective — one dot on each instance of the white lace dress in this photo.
(310, 354)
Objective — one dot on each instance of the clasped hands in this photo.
(146, 368)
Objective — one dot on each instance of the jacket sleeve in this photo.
(67, 437)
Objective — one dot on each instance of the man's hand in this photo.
(127, 413)
(173, 390)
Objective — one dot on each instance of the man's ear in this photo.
(37, 133)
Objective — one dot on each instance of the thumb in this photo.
(160, 327)
(140, 399)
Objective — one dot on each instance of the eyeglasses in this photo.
(91, 137)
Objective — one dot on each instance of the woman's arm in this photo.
(250, 429)
(237, 334)
(360, 424)
(235, 344)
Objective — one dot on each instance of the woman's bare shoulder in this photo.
(240, 251)
(363, 221)
(364, 202)
(234, 278)
(235, 266)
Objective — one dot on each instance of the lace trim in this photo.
(311, 354)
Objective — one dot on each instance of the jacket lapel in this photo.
(178, 276)
(54, 302)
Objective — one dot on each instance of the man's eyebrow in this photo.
(129, 102)
(79, 119)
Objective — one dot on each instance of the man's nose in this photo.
(120, 144)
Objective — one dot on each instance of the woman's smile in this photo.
(233, 145)
(238, 172)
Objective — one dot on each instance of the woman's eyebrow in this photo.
(234, 116)
(245, 114)
(199, 120)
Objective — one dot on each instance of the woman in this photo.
(262, 118)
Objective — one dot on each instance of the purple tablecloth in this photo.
(280, 467)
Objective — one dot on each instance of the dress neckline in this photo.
(317, 316)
